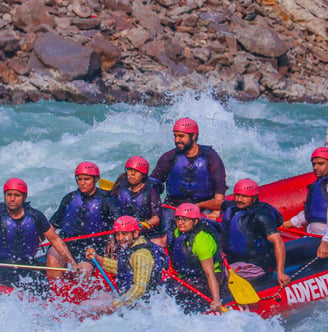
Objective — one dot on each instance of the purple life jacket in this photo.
(83, 216)
(190, 180)
(240, 242)
(19, 238)
(180, 249)
(315, 207)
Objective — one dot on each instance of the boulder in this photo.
(9, 41)
(69, 60)
(31, 14)
(110, 54)
(260, 39)
(86, 23)
(121, 5)
(138, 37)
(146, 17)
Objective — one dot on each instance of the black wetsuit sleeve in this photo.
(217, 172)
(265, 225)
(163, 166)
(41, 221)
(57, 219)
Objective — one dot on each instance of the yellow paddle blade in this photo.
(241, 289)
(106, 184)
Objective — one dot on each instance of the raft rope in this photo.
(275, 296)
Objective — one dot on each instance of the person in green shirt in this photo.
(193, 247)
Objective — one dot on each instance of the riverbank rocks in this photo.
(66, 60)
(149, 51)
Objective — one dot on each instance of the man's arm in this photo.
(217, 171)
(60, 246)
(322, 251)
(163, 166)
(280, 254)
(212, 204)
(142, 263)
(296, 221)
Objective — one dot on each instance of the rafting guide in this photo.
(192, 172)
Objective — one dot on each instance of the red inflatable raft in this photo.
(309, 274)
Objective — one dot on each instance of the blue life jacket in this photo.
(188, 180)
(125, 272)
(138, 206)
(83, 216)
(180, 249)
(315, 207)
(242, 243)
(19, 239)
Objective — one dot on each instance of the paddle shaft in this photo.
(81, 237)
(32, 267)
(103, 273)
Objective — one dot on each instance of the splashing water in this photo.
(42, 143)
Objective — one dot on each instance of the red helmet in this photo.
(321, 152)
(15, 184)
(246, 187)
(139, 164)
(188, 210)
(87, 168)
(186, 125)
(126, 224)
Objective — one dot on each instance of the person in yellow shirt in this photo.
(138, 267)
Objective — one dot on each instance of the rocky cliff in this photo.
(108, 51)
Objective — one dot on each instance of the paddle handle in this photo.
(32, 267)
(103, 273)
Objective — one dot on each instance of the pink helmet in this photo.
(138, 163)
(15, 184)
(246, 187)
(186, 125)
(126, 224)
(188, 210)
(321, 152)
(87, 168)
